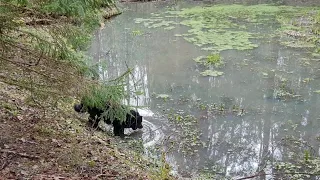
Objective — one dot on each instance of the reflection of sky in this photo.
(163, 64)
(140, 79)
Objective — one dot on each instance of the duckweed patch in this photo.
(187, 136)
(300, 30)
(303, 163)
(225, 27)
(283, 91)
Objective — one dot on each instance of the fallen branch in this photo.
(19, 154)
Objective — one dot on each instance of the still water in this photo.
(233, 144)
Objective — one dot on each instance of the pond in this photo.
(258, 106)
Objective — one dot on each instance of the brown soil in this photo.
(53, 144)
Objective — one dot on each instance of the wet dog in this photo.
(133, 119)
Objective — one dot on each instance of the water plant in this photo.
(213, 59)
(303, 163)
(189, 135)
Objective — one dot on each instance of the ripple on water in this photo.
(152, 132)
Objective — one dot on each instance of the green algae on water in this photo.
(224, 27)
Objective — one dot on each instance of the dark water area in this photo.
(232, 144)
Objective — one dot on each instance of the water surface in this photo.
(232, 144)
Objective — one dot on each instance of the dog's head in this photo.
(79, 108)
(139, 121)
(136, 120)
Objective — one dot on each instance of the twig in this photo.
(167, 138)
(105, 175)
(284, 173)
(252, 176)
(19, 154)
(134, 84)
(156, 129)
(120, 77)
(6, 163)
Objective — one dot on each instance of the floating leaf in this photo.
(169, 28)
(138, 93)
(163, 96)
(211, 73)
(137, 33)
(306, 80)
(199, 59)
(315, 55)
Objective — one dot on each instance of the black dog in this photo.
(133, 119)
